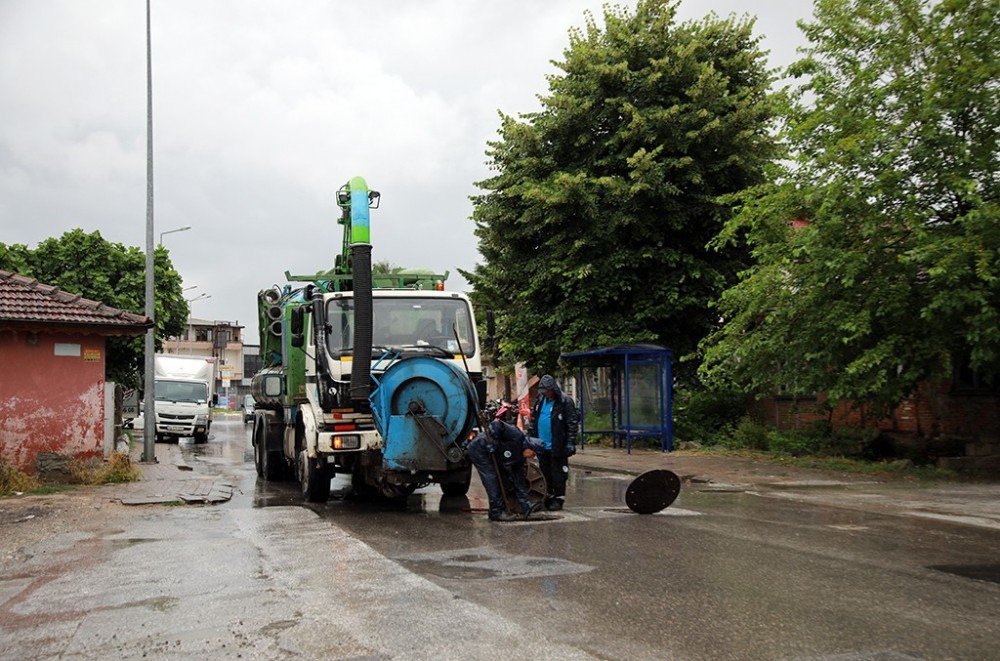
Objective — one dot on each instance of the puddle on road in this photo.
(486, 563)
(977, 572)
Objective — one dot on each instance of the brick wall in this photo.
(935, 410)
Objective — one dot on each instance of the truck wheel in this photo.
(398, 491)
(201, 438)
(457, 488)
(271, 465)
(314, 480)
(257, 441)
(361, 488)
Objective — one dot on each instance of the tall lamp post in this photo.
(149, 428)
(179, 229)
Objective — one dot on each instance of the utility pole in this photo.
(149, 417)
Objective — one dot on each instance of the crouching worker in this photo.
(502, 449)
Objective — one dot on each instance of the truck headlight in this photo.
(201, 419)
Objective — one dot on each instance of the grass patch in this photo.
(900, 469)
(117, 469)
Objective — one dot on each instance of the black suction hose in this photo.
(361, 258)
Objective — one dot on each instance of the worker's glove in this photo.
(528, 453)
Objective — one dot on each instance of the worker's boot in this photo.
(553, 504)
(503, 517)
(529, 508)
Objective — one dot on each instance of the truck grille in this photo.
(173, 417)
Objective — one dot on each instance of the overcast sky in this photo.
(262, 109)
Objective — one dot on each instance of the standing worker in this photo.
(502, 449)
(554, 421)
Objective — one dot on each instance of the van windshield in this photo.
(181, 391)
(404, 322)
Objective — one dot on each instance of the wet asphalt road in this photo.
(719, 574)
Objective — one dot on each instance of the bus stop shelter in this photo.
(625, 393)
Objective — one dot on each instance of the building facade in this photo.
(222, 340)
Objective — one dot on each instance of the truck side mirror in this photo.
(491, 328)
(297, 339)
(215, 399)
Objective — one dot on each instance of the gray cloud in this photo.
(262, 110)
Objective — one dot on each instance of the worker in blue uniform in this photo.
(555, 422)
(502, 449)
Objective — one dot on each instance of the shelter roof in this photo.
(25, 301)
(617, 352)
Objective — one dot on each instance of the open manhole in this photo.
(977, 572)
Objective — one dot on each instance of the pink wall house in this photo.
(52, 357)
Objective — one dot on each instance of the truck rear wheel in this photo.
(314, 479)
(271, 465)
(257, 440)
(459, 488)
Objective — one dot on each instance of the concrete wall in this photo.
(51, 395)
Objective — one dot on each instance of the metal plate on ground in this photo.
(652, 491)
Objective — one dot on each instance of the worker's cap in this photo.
(547, 383)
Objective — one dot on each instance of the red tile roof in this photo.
(25, 300)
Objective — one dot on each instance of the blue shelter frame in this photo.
(622, 360)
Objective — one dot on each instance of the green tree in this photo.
(893, 160)
(112, 273)
(594, 227)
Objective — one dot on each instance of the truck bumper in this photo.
(180, 429)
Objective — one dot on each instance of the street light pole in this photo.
(179, 229)
(149, 428)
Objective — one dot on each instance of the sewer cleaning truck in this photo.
(373, 375)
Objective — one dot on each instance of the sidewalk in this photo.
(976, 504)
(171, 480)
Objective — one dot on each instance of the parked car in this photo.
(248, 407)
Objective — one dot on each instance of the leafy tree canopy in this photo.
(112, 273)
(594, 227)
(893, 161)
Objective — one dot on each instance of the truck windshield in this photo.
(399, 322)
(181, 391)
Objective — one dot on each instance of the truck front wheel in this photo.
(314, 478)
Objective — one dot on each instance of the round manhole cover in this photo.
(652, 491)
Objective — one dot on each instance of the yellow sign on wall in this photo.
(91, 355)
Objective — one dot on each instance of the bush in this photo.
(118, 468)
(747, 435)
(707, 416)
(13, 479)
